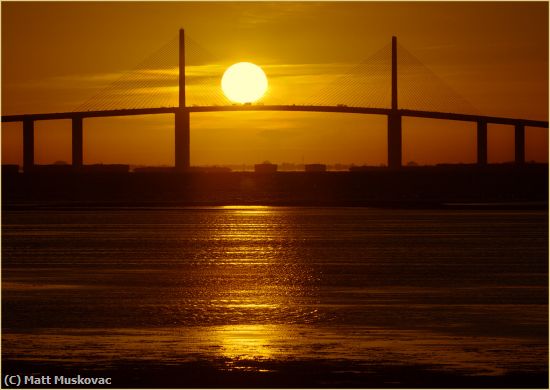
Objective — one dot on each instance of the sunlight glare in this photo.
(244, 82)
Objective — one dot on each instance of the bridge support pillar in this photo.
(28, 145)
(481, 143)
(520, 144)
(77, 143)
(394, 141)
(182, 140)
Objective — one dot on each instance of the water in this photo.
(356, 293)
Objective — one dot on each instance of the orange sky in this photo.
(56, 56)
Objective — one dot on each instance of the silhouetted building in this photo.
(315, 168)
(265, 167)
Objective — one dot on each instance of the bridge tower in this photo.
(394, 118)
(481, 143)
(182, 123)
(519, 138)
(28, 145)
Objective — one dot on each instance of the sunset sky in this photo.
(487, 58)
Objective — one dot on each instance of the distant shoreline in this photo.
(445, 187)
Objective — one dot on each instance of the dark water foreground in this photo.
(242, 296)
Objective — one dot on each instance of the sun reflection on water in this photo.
(248, 342)
(264, 278)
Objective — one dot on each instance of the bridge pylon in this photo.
(394, 118)
(182, 150)
(519, 143)
(28, 145)
(77, 142)
(182, 140)
(394, 141)
(481, 143)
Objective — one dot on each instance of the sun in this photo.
(244, 82)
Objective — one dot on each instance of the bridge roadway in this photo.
(182, 127)
(295, 108)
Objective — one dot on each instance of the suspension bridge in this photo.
(344, 88)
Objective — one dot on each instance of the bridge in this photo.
(182, 121)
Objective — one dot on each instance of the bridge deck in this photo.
(297, 108)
